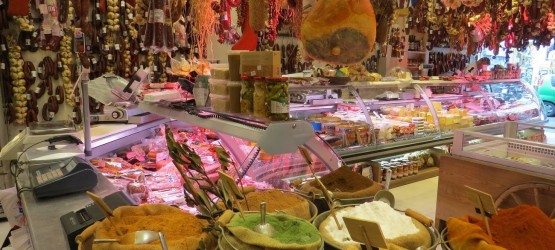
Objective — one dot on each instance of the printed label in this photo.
(51, 115)
(158, 15)
(37, 90)
(34, 73)
(39, 69)
(279, 107)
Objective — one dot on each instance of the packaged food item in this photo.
(218, 86)
(277, 99)
(247, 94)
(234, 89)
(259, 98)
(219, 103)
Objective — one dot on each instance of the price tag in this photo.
(97, 5)
(58, 98)
(2, 66)
(3, 47)
(155, 68)
(125, 32)
(51, 115)
(104, 30)
(130, 16)
(97, 17)
(37, 90)
(253, 73)
(93, 60)
(110, 57)
(34, 73)
(366, 232)
(122, 3)
(39, 69)
(28, 97)
(116, 46)
(483, 202)
(106, 47)
(73, 114)
(60, 65)
(27, 41)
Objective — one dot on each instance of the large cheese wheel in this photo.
(339, 31)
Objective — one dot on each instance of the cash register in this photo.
(67, 176)
(76, 222)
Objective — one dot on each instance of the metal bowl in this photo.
(227, 242)
(321, 203)
(444, 240)
(434, 233)
(312, 207)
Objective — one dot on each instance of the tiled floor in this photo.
(420, 196)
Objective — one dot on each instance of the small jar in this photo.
(247, 95)
(260, 107)
(395, 171)
(277, 99)
(415, 166)
(406, 168)
(384, 173)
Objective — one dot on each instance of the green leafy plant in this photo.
(187, 162)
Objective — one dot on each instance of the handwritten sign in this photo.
(366, 232)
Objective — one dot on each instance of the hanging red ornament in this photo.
(249, 39)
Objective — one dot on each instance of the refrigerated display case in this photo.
(406, 116)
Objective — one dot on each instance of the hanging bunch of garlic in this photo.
(24, 23)
(70, 13)
(163, 61)
(127, 59)
(109, 46)
(113, 15)
(18, 81)
(133, 33)
(140, 12)
(67, 61)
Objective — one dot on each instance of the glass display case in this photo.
(523, 146)
(402, 117)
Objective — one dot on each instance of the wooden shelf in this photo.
(417, 52)
(423, 174)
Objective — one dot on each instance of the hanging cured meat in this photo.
(339, 31)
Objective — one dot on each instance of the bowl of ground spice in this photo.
(278, 201)
(521, 227)
(400, 231)
(237, 232)
(347, 187)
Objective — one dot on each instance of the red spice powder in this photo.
(524, 227)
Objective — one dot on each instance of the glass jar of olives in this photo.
(247, 95)
(259, 98)
(277, 99)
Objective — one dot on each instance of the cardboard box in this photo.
(261, 63)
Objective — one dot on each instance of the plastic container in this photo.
(277, 98)
(247, 93)
(218, 87)
(234, 90)
(200, 90)
(260, 107)
(220, 103)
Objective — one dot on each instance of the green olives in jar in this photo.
(259, 98)
(247, 95)
(277, 99)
